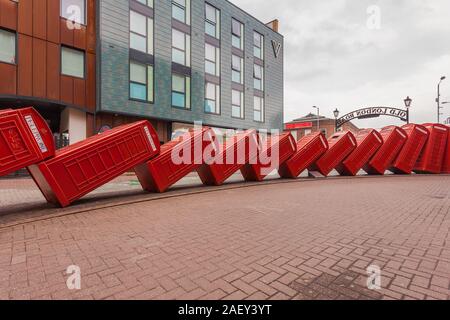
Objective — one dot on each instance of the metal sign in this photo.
(373, 112)
(276, 48)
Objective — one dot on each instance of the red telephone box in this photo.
(432, 157)
(25, 139)
(83, 167)
(394, 139)
(309, 149)
(446, 164)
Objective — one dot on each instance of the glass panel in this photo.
(210, 91)
(7, 46)
(138, 42)
(236, 112)
(182, 3)
(188, 92)
(210, 29)
(257, 84)
(236, 97)
(138, 23)
(257, 52)
(150, 36)
(138, 91)
(236, 42)
(178, 56)
(210, 13)
(236, 28)
(178, 39)
(74, 10)
(210, 68)
(138, 73)
(72, 62)
(210, 52)
(236, 76)
(257, 103)
(257, 40)
(150, 93)
(236, 62)
(257, 116)
(178, 83)
(210, 106)
(258, 71)
(178, 13)
(178, 100)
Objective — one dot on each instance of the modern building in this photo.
(313, 123)
(88, 65)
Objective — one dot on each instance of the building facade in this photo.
(313, 123)
(88, 65)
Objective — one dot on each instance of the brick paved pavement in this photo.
(299, 240)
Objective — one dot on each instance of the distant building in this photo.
(308, 124)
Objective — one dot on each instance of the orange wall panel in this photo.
(40, 19)
(25, 65)
(79, 38)
(67, 89)
(91, 27)
(79, 92)
(65, 33)
(39, 68)
(8, 79)
(8, 14)
(53, 24)
(25, 17)
(53, 71)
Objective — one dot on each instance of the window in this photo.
(237, 65)
(181, 11)
(258, 109)
(212, 60)
(141, 82)
(181, 48)
(72, 62)
(212, 21)
(258, 45)
(141, 32)
(258, 77)
(212, 98)
(237, 101)
(237, 30)
(148, 3)
(7, 46)
(181, 91)
(74, 10)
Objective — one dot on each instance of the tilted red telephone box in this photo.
(273, 153)
(83, 167)
(407, 158)
(178, 158)
(341, 144)
(432, 156)
(368, 142)
(230, 157)
(25, 139)
(446, 163)
(309, 149)
(394, 139)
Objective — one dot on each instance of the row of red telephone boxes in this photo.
(66, 175)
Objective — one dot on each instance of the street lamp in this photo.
(438, 99)
(408, 102)
(318, 118)
(336, 116)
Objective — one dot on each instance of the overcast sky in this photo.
(333, 59)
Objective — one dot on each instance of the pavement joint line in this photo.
(204, 190)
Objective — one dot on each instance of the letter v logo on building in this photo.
(276, 48)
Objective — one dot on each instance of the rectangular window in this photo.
(212, 60)
(74, 10)
(258, 45)
(237, 31)
(181, 11)
(141, 32)
(212, 98)
(212, 21)
(181, 48)
(181, 91)
(258, 109)
(72, 62)
(141, 82)
(258, 77)
(148, 3)
(7, 46)
(237, 104)
(237, 67)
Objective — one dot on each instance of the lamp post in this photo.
(318, 118)
(336, 116)
(439, 98)
(408, 102)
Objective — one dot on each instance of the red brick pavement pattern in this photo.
(302, 240)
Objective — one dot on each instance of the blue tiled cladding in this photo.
(114, 66)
